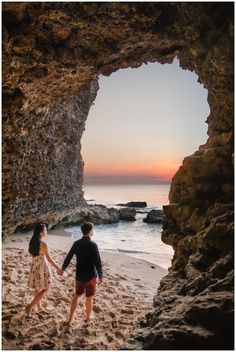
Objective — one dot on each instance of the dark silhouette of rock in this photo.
(127, 214)
(154, 216)
(134, 204)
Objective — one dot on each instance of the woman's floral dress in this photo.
(40, 275)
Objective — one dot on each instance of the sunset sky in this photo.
(143, 123)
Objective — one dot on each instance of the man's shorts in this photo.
(89, 287)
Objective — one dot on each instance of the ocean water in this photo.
(136, 238)
(154, 195)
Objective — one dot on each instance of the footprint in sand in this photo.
(6, 278)
(97, 309)
(11, 266)
(109, 338)
(120, 335)
(114, 324)
(112, 314)
(127, 311)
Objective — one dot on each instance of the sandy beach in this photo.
(122, 300)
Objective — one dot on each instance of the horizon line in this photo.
(125, 178)
(126, 182)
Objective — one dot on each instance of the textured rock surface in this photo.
(154, 216)
(97, 214)
(42, 163)
(134, 204)
(127, 214)
(52, 54)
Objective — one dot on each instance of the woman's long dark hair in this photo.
(35, 240)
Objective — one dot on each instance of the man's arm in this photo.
(69, 257)
(98, 263)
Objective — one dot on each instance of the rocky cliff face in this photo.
(52, 55)
(42, 163)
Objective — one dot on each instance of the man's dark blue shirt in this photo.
(88, 259)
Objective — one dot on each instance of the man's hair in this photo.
(86, 227)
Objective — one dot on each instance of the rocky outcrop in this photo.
(154, 216)
(194, 303)
(96, 213)
(52, 55)
(127, 214)
(134, 204)
(42, 162)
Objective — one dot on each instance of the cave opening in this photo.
(142, 124)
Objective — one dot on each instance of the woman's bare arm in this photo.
(46, 253)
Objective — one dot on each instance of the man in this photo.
(88, 268)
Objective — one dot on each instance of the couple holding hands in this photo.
(88, 269)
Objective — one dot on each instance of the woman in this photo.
(40, 276)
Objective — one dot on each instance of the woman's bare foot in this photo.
(41, 308)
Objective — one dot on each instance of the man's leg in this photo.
(90, 292)
(73, 307)
(89, 307)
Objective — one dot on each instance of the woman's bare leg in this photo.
(35, 301)
(39, 306)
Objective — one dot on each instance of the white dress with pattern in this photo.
(40, 275)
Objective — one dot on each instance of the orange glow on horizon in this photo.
(163, 170)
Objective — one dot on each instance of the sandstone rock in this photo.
(134, 204)
(99, 214)
(154, 216)
(127, 214)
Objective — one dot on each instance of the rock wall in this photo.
(52, 55)
(42, 162)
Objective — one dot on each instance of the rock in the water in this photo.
(100, 214)
(154, 216)
(127, 214)
(97, 214)
(134, 204)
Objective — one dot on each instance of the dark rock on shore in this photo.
(134, 204)
(97, 214)
(127, 214)
(154, 216)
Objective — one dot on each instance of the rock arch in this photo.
(52, 55)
